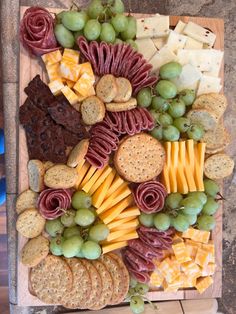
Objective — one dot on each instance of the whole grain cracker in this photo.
(218, 166)
(213, 102)
(81, 288)
(47, 165)
(106, 88)
(139, 158)
(34, 251)
(78, 153)
(107, 286)
(124, 89)
(206, 118)
(122, 106)
(60, 177)
(30, 223)
(51, 279)
(26, 200)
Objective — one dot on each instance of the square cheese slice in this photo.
(146, 47)
(209, 84)
(192, 44)
(199, 58)
(159, 42)
(155, 26)
(175, 41)
(181, 252)
(163, 56)
(200, 33)
(56, 86)
(180, 27)
(203, 283)
(216, 62)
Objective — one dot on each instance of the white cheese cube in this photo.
(161, 57)
(180, 27)
(146, 47)
(175, 41)
(155, 26)
(209, 84)
(199, 33)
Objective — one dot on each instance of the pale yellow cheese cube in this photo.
(56, 86)
(188, 282)
(203, 283)
(181, 252)
(70, 95)
(52, 57)
(209, 270)
(174, 285)
(201, 236)
(191, 269)
(210, 247)
(202, 257)
(156, 279)
(70, 83)
(53, 71)
(69, 70)
(71, 55)
(84, 86)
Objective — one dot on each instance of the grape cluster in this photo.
(168, 107)
(102, 20)
(180, 212)
(78, 232)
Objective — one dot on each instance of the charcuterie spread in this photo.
(125, 143)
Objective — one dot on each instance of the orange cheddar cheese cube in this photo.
(83, 85)
(156, 279)
(86, 68)
(203, 283)
(191, 269)
(129, 213)
(70, 95)
(56, 86)
(52, 57)
(202, 257)
(71, 55)
(181, 252)
(69, 70)
(53, 72)
(208, 270)
(93, 180)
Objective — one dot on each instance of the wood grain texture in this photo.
(29, 67)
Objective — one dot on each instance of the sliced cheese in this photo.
(88, 176)
(175, 41)
(52, 57)
(203, 283)
(189, 165)
(163, 56)
(127, 225)
(209, 84)
(182, 184)
(80, 165)
(159, 42)
(210, 247)
(69, 70)
(168, 270)
(191, 269)
(118, 222)
(188, 282)
(100, 194)
(118, 181)
(100, 180)
(91, 92)
(56, 86)
(113, 246)
(71, 55)
(87, 187)
(117, 234)
(129, 236)
(180, 27)
(199, 151)
(113, 212)
(146, 47)
(155, 26)
(216, 62)
(173, 166)
(70, 95)
(166, 169)
(199, 33)
(129, 212)
(209, 270)
(53, 72)
(192, 44)
(82, 172)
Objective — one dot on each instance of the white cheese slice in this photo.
(209, 84)
(161, 57)
(188, 78)
(180, 27)
(146, 47)
(193, 44)
(216, 63)
(159, 42)
(199, 33)
(155, 26)
(175, 41)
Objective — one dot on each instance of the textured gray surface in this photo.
(210, 8)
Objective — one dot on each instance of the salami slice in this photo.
(84, 47)
(95, 57)
(155, 238)
(150, 81)
(138, 275)
(137, 262)
(145, 250)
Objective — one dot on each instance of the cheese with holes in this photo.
(82, 172)
(84, 85)
(69, 70)
(192, 44)
(163, 56)
(87, 187)
(129, 212)
(156, 279)
(52, 57)
(203, 283)
(202, 257)
(180, 252)
(100, 194)
(159, 42)
(56, 86)
(71, 55)
(100, 180)
(128, 225)
(70, 95)
(199, 33)
(88, 176)
(118, 222)
(113, 212)
(53, 72)
(113, 246)
(154, 26)
(209, 84)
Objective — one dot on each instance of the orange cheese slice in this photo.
(116, 223)
(80, 165)
(129, 212)
(199, 168)
(182, 184)
(115, 185)
(127, 225)
(173, 166)
(189, 165)
(117, 234)
(128, 236)
(100, 180)
(82, 172)
(88, 176)
(93, 179)
(113, 246)
(166, 169)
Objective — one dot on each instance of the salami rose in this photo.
(150, 196)
(53, 203)
(36, 31)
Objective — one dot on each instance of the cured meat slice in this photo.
(84, 47)
(145, 250)
(107, 57)
(113, 120)
(155, 238)
(138, 275)
(150, 120)
(94, 159)
(150, 81)
(53, 203)
(96, 57)
(137, 262)
(131, 123)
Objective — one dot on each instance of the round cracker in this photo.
(96, 282)
(124, 91)
(51, 279)
(213, 102)
(117, 275)
(81, 289)
(206, 118)
(30, 223)
(216, 140)
(26, 200)
(78, 153)
(107, 286)
(124, 288)
(34, 251)
(122, 106)
(139, 158)
(106, 88)
(218, 166)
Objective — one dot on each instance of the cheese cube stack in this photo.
(190, 263)
(183, 169)
(113, 200)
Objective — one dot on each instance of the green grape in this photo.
(131, 292)
(159, 103)
(80, 254)
(132, 43)
(93, 210)
(64, 36)
(117, 7)
(200, 195)
(118, 41)
(170, 70)
(59, 17)
(195, 132)
(177, 108)
(56, 245)
(131, 29)
(211, 187)
(144, 97)
(157, 133)
(71, 231)
(146, 219)
(74, 20)
(137, 305)
(68, 218)
(84, 217)
(119, 22)
(92, 30)
(210, 207)
(98, 232)
(54, 227)
(141, 288)
(78, 34)
(192, 205)
(180, 223)
(71, 246)
(171, 133)
(162, 221)
(166, 89)
(80, 199)
(133, 282)
(188, 96)
(206, 222)
(95, 9)
(173, 200)
(107, 33)
(182, 124)
(91, 250)
(191, 219)
(165, 119)
(155, 115)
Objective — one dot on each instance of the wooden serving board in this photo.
(29, 67)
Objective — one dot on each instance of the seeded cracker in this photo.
(26, 200)
(78, 153)
(122, 106)
(218, 166)
(30, 223)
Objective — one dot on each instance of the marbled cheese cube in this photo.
(202, 257)
(203, 283)
(191, 269)
(56, 86)
(69, 70)
(71, 55)
(52, 57)
(181, 252)
(70, 95)
(156, 279)
(87, 68)
(84, 86)
(53, 71)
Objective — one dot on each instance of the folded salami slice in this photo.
(95, 57)
(84, 47)
(140, 276)
(138, 262)
(53, 203)
(150, 81)
(95, 159)
(145, 250)
(156, 238)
